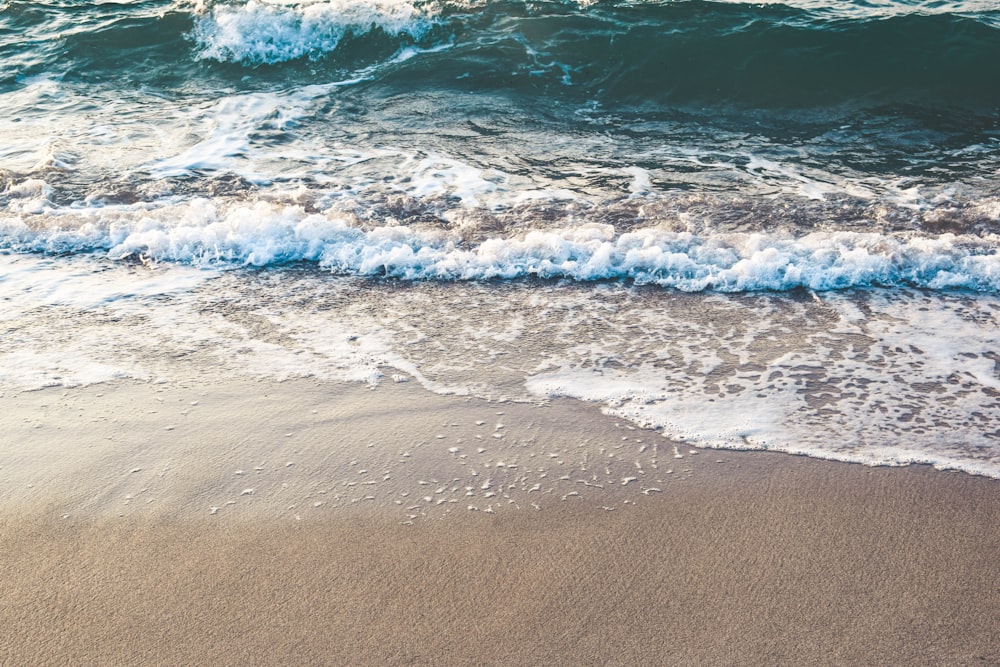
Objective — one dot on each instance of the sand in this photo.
(244, 523)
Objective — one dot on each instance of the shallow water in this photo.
(875, 376)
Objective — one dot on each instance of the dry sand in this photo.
(296, 524)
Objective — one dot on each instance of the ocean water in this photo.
(754, 226)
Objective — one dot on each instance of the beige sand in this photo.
(232, 524)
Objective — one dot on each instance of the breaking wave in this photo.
(201, 232)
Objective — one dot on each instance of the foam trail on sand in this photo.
(856, 375)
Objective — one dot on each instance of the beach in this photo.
(464, 332)
(216, 523)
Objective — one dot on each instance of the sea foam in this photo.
(875, 376)
(860, 377)
(204, 232)
(267, 33)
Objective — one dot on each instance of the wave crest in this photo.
(200, 232)
(263, 33)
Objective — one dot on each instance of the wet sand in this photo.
(231, 524)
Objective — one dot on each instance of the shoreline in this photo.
(113, 553)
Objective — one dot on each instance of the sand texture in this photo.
(242, 532)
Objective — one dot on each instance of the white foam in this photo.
(437, 176)
(203, 232)
(268, 32)
(223, 138)
(68, 366)
(145, 322)
(29, 197)
(874, 376)
(912, 381)
(32, 282)
(641, 182)
(41, 296)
